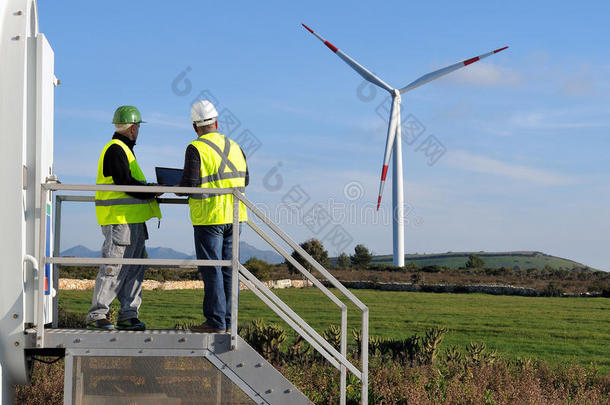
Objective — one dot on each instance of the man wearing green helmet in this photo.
(122, 217)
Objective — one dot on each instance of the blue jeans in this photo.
(215, 242)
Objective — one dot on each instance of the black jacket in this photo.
(117, 166)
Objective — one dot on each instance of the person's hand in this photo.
(155, 185)
(180, 194)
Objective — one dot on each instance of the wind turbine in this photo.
(394, 137)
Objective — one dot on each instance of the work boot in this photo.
(131, 324)
(205, 328)
(100, 324)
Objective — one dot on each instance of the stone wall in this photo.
(440, 288)
(73, 284)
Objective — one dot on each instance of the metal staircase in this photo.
(170, 366)
(141, 366)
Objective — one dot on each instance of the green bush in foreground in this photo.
(413, 371)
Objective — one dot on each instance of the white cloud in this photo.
(557, 119)
(487, 74)
(581, 84)
(160, 119)
(468, 161)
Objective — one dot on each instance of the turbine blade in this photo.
(442, 72)
(389, 144)
(362, 71)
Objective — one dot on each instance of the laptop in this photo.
(167, 176)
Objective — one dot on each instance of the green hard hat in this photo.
(127, 114)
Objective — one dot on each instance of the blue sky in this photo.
(525, 131)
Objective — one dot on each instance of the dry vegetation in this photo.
(566, 281)
(405, 371)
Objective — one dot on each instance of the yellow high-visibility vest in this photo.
(117, 207)
(222, 166)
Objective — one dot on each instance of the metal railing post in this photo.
(365, 357)
(235, 271)
(343, 386)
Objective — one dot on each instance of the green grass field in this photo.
(552, 329)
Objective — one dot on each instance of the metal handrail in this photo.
(46, 188)
(365, 312)
(337, 358)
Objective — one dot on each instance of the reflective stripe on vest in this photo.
(122, 201)
(117, 207)
(203, 196)
(220, 168)
(223, 176)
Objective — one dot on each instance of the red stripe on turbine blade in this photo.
(378, 202)
(331, 46)
(307, 28)
(471, 60)
(501, 49)
(384, 172)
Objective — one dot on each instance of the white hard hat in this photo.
(203, 113)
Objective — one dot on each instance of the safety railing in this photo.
(338, 358)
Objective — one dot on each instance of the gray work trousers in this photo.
(123, 282)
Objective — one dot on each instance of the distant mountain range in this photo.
(246, 251)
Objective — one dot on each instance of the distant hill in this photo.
(516, 259)
(80, 251)
(246, 251)
(165, 253)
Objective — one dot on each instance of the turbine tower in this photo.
(394, 137)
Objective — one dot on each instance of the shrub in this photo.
(431, 269)
(361, 257)
(475, 262)
(552, 290)
(411, 266)
(385, 267)
(265, 339)
(260, 268)
(343, 261)
(315, 249)
(602, 287)
(86, 273)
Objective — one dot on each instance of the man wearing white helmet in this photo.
(213, 161)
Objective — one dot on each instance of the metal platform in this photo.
(242, 367)
(228, 353)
